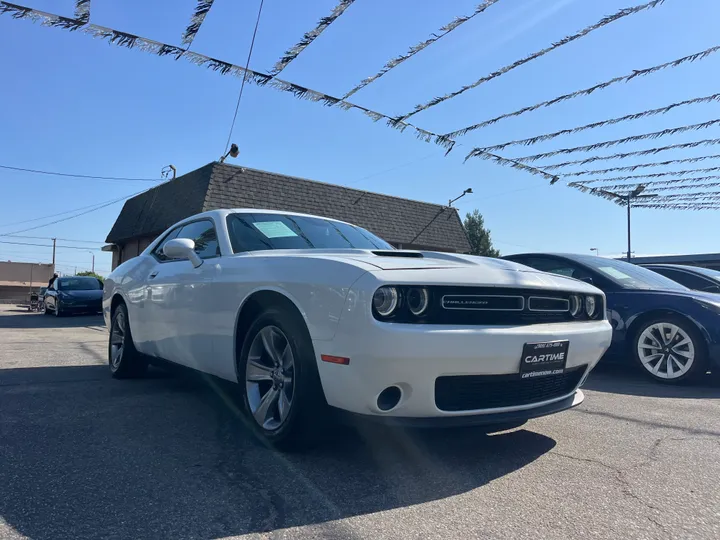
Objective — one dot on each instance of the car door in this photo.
(180, 298)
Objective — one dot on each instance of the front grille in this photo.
(476, 392)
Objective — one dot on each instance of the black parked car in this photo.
(76, 294)
(671, 331)
(693, 277)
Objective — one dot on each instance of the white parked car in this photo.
(305, 313)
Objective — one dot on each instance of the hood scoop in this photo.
(398, 253)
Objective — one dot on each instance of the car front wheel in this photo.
(124, 359)
(670, 350)
(282, 395)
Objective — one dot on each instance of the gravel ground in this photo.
(85, 456)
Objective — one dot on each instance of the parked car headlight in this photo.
(590, 306)
(417, 300)
(576, 305)
(385, 301)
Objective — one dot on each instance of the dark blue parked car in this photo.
(693, 277)
(75, 294)
(671, 331)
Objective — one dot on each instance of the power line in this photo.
(242, 84)
(568, 39)
(587, 91)
(75, 215)
(607, 144)
(53, 173)
(61, 239)
(49, 246)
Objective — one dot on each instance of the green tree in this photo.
(91, 274)
(478, 235)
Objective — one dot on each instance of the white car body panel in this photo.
(189, 316)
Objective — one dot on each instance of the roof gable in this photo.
(395, 219)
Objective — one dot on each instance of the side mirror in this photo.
(182, 248)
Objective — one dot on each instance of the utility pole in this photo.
(53, 262)
(93, 261)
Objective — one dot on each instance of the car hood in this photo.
(435, 268)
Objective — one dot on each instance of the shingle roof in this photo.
(395, 219)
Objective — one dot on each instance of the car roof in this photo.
(667, 265)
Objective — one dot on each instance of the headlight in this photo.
(576, 305)
(590, 306)
(417, 301)
(385, 301)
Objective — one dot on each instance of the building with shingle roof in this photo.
(404, 223)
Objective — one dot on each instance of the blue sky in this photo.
(78, 105)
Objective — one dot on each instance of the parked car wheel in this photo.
(58, 310)
(124, 359)
(47, 310)
(670, 350)
(282, 395)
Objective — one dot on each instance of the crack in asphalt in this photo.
(620, 473)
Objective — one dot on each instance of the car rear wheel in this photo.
(670, 350)
(124, 359)
(282, 395)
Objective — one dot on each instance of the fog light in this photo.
(389, 398)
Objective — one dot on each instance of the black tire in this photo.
(698, 345)
(130, 363)
(304, 423)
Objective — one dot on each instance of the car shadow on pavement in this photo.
(617, 378)
(86, 456)
(9, 318)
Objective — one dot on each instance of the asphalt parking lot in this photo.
(85, 456)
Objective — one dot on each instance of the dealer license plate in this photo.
(543, 359)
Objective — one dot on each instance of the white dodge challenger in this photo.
(307, 313)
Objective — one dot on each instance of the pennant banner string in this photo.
(444, 31)
(82, 10)
(568, 39)
(696, 206)
(651, 112)
(587, 91)
(608, 144)
(130, 41)
(653, 175)
(630, 168)
(293, 52)
(201, 10)
(676, 183)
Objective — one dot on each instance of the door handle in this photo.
(153, 274)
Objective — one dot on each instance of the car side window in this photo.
(205, 237)
(158, 251)
(691, 281)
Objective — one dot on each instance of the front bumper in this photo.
(413, 356)
(499, 418)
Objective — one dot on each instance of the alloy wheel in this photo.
(270, 378)
(117, 340)
(666, 350)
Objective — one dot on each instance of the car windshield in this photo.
(629, 276)
(257, 231)
(78, 284)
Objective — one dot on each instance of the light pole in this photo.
(628, 198)
(597, 252)
(93, 261)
